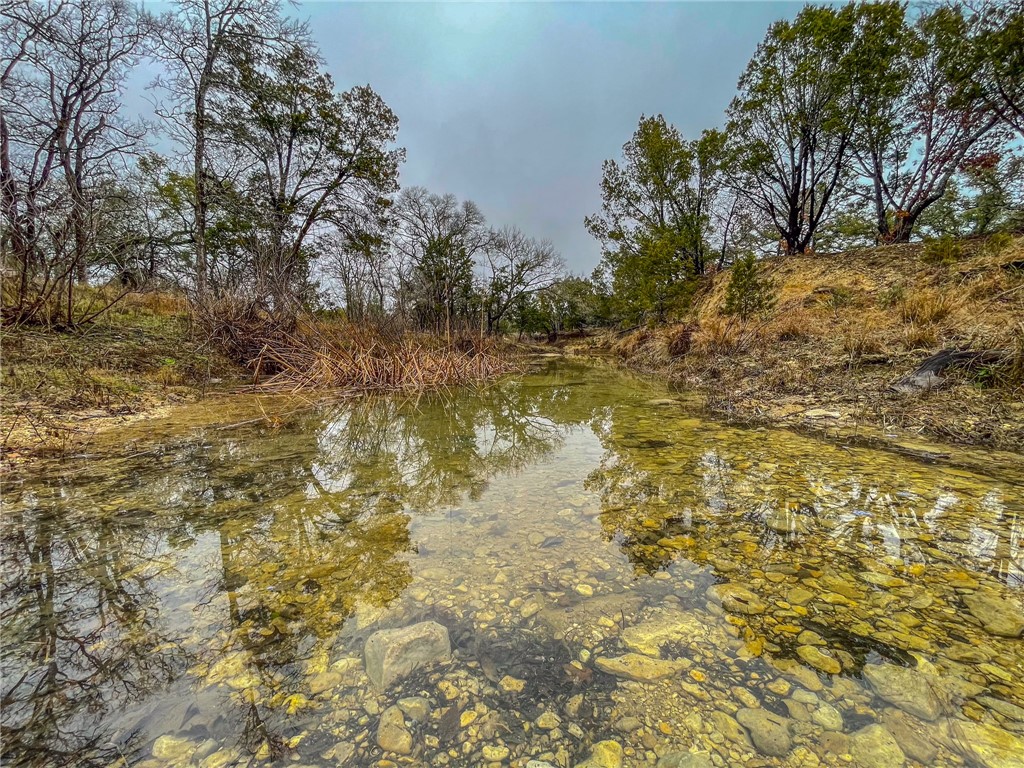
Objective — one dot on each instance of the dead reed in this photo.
(327, 356)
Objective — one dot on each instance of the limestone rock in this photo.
(636, 666)
(819, 659)
(416, 708)
(728, 727)
(769, 732)
(672, 626)
(325, 681)
(737, 598)
(685, 760)
(874, 747)
(912, 735)
(173, 749)
(989, 745)
(905, 688)
(392, 735)
(393, 653)
(604, 754)
(999, 616)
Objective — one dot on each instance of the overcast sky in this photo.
(515, 105)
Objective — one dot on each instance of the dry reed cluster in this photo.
(328, 356)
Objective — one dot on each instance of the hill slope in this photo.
(845, 328)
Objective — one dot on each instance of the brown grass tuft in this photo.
(320, 356)
(926, 306)
(718, 336)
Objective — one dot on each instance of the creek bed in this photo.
(619, 580)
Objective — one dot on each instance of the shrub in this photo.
(997, 243)
(943, 252)
(748, 293)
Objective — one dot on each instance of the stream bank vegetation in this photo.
(270, 241)
(845, 251)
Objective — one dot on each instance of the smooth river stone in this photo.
(904, 687)
(769, 732)
(874, 747)
(393, 653)
(819, 660)
(999, 616)
(637, 666)
(737, 598)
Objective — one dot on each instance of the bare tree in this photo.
(436, 244)
(517, 267)
(65, 67)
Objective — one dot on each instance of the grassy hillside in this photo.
(844, 328)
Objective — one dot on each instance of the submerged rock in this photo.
(392, 735)
(671, 626)
(989, 745)
(819, 660)
(393, 653)
(636, 666)
(769, 732)
(685, 760)
(737, 598)
(787, 522)
(997, 615)
(914, 737)
(905, 688)
(604, 754)
(173, 749)
(874, 747)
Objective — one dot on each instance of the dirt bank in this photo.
(843, 331)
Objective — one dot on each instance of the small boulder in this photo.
(604, 754)
(737, 598)
(999, 616)
(819, 660)
(392, 735)
(874, 747)
(636, 666)
(390, 654)
(989, 745)
(769, 732)
(685, 760)
(904, 687)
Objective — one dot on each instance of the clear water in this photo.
(198, 595)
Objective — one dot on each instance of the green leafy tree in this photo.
(748, 293)
(791, 124)
(656, 215)
(318, 158)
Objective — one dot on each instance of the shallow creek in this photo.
(571, 568)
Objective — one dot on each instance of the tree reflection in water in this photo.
(255, 544)
(197, 588)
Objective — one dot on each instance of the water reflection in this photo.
(209, 589)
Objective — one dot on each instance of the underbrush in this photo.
(317, 355)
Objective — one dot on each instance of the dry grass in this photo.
(719, 336)
(926, 306)
(327, 356)
(845, 327)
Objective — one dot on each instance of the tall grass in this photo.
(316, 355)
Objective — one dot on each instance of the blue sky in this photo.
(515, 105)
